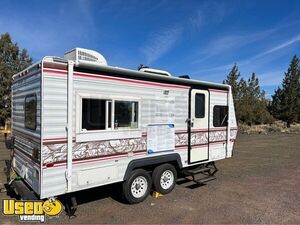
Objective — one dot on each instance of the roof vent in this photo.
(184, 76)
(85, 55)
(155, 71)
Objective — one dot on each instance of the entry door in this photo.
(199, 126)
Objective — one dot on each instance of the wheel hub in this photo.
(167, 179)
(139, 187)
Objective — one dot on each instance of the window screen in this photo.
(30, 112)
(126, 114)
(199, 105)
(220, 116)
(93, 114)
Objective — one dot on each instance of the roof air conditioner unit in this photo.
(85, 55)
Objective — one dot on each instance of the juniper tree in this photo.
(254, 103)
(12, 60)
(250, 103)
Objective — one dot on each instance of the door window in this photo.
(199, 105)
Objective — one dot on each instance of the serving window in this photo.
(126, 114)
(108, 114)
(93, 114)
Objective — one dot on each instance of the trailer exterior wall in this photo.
(27, 144)
(151, 97)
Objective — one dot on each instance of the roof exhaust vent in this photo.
(184, 76)
(155, 71)
(80, 55)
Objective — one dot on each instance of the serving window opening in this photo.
(108, 114)
(126, 114)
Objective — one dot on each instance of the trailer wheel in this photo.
(137, 188)
(164, 178)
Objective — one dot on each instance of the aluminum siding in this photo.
(26, 140)
(55, 120)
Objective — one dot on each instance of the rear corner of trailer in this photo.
(232, 123)
(25, 167)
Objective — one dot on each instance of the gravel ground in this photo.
(260, 184)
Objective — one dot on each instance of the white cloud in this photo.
(253, 62)
(85, 9)
(209, 12)
(283, 45)
(159, 43)
(227, 43)
(271, 78)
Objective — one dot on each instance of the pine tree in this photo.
(233, 80)
(286, 99)
(12, 60)
(275, 107)
(256, 103)
(241, 105)
(252, 105)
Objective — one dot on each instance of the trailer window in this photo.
(126, 114)
(199, 105)
(30, 112)
(220, 116)
(93, 114)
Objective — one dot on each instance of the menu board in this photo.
(160, 137)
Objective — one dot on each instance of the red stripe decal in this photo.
(145, 134)
(116, 79)
(218, 91)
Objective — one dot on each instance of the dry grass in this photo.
(276, 127)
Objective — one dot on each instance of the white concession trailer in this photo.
(79, 123)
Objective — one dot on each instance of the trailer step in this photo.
(205, 180)
(200, 182)
(204, 173)
(197, 171)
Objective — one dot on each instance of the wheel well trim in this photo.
(140, 163)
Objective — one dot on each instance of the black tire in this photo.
(156, 177)
(129, 193)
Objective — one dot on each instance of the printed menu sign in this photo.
(160, 137)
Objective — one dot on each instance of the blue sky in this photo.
(200, 38)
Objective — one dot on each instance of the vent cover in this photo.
(155, 71)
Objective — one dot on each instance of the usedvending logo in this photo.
(31, 210)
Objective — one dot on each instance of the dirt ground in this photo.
(260, 184)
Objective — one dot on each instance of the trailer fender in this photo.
(155, 160)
